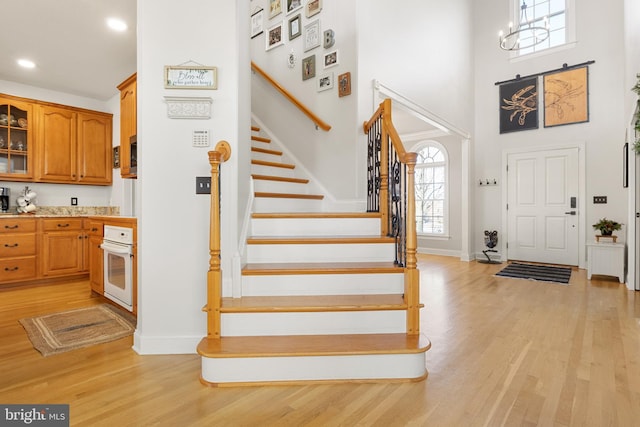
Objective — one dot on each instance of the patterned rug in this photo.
(543, 273)
(69, 330)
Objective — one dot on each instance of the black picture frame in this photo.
(519, 105)
(625, 165)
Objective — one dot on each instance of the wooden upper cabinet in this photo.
(56, 148)
(128, 123)
(94, 148)
(74, 146)
(16, 139)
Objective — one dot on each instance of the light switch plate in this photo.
(599, 199)
(203, 185)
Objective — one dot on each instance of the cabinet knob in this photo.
(63, 225)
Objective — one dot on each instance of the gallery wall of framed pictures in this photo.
(298, 26)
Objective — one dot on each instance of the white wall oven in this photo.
(117, 245)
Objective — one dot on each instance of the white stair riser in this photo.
(266, 186)
(272, 170)
(276, 205)
(323, 284)
(313, 323)
(309, 368)
(315, 226)
(256, 155)
(352, 252)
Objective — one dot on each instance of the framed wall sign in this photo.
(311, 35)
(295, 27)
(566, 97)
(519, 105)
(190, 77)
(274, 36)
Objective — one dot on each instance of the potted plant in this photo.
(607, 226)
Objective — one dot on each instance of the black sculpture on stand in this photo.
(490, 241)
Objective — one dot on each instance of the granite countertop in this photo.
(54, 211)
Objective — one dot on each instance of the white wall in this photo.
(174, 221)
(60, 194)
(329, 156)
(600, 38)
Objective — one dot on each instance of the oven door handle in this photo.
(116, 249)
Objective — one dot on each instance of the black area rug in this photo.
(543, 273)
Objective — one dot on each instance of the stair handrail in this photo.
(391, 191)
(314, 118)
(220, 154)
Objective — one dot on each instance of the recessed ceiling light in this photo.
(116, 24)
(26, 63)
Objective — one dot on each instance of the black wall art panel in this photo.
(519, 105)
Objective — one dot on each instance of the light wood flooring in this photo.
(505, 352)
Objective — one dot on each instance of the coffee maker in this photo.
(4, 198)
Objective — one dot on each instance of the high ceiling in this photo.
(74, 50)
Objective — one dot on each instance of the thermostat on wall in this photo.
(200, 138)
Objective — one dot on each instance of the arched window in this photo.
(432, 192)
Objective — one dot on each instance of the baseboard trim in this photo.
(148, 345)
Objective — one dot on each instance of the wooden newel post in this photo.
(412, 274)
(214, 275)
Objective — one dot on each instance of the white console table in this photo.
(606, 259)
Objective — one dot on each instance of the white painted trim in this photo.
(165, 344)
(443, 252)
(419, 136)
(466, 202)
(633, 281)
(582, 209)
(417, 110)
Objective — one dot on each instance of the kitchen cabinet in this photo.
(74, 146)
(96, 259)
(18, 249)
(63, 246)
(128, 125)
(16, 140)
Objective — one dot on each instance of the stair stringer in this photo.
(330, 203)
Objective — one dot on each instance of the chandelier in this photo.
(527, 33)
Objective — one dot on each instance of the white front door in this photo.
(542, 210)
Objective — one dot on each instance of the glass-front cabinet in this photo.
(16, 146)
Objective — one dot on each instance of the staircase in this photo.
(322, 299)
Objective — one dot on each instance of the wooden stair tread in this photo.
(291, 268)
(312, 303)
(289, 196)
(273, 164)
(255, 129)
(266, 151)
(289, 240)
(316, 215)
(260, 139)
(280, 178)
(313, 345)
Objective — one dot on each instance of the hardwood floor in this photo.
(505, 352)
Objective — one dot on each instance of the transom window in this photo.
(540, 13)
(431, 189)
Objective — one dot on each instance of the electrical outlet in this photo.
(203, 185)
(74, 201)
(599, 199)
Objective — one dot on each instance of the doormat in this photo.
(69, 330)
(543, 273)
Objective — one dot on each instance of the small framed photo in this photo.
(256, 23)
(311, 35)
(274, 36)
(325, 82)
(295, 27)
(313, 7)
(331, 59)
(344, 84)
(116, 157)
(275, 8)
(293, 5)
(309, 67)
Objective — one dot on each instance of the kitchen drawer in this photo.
(95, 228)
(17, 225)
(61, 224)
(15, 269)
(15, 245)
